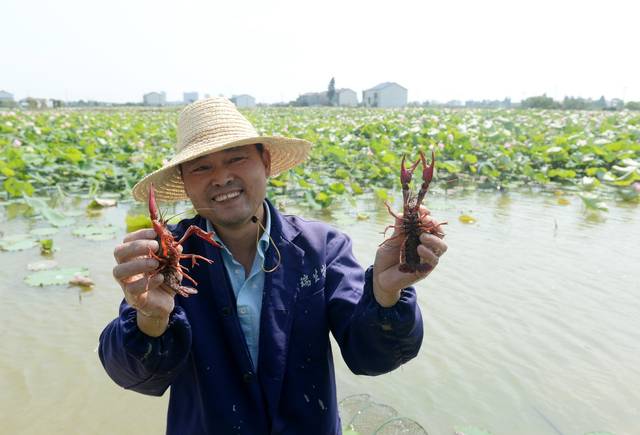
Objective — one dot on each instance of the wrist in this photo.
(386, 299)
(151, 325)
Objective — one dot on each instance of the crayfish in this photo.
(168, 254)
(411, 220)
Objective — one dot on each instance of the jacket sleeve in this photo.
(142, 363)
(373, 339)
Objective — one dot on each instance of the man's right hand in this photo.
(153, 302)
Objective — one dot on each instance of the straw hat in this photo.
(212, 125)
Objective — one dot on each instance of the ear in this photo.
(266, 160)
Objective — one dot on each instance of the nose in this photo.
(221, 177)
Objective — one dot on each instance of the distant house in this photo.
(189, 97)
(616, 104)
(387, 94)
(346, 97)
(155, 99)
(243, 100)
(35, 103)
(6, 97)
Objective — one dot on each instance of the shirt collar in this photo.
(263, 243)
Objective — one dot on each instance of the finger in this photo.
(168, 290)
(136, 248)
(135, 289)
(123, 271)
(433, 243)
(428, 256)
(145, 233)
(424, 211)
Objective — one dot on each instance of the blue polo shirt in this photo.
(248, 291)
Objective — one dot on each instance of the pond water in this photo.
(532, 325)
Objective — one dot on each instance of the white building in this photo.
(189, 97)
(243, 100)
(155, 99)
(346, 97)
(387, 94)
(6, 97)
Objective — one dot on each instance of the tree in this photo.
(331, 92)
(540, 102)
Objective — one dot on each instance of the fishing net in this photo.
(362, 416)
(401, 425)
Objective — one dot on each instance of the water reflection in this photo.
(533, 307)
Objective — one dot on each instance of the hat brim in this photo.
(167, 181)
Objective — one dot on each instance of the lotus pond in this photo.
(531, 322)
(357, 150)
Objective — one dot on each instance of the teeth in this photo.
(226, 196)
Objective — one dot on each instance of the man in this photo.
(250, 352)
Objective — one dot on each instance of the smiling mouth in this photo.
(227, 196)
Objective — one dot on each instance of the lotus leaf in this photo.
(54, 276)
(17, 242)
(96, 232)
(467, 219)
(44, 232)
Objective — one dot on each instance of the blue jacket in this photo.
(203, 357)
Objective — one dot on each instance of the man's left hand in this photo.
(388, 281)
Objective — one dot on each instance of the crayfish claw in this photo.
(406, 173)
(405, 176)
(427, 170)
(153, 206)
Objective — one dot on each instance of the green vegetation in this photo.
(356, 150)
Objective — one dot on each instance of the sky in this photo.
(275, 50)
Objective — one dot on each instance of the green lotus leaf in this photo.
(99, 203)
(137, 222)
(96, 232)
(44, 232)
(54, 276)
(592, 202)
(17, 242)
(54, 217)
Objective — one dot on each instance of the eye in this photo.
(199, 168)
(237, 159)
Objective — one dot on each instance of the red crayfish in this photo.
(411, 220)
(168, 254)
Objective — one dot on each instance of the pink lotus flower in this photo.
(636, 186)
(16, 143)
(109, 133)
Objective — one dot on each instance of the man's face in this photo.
(228, 187)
